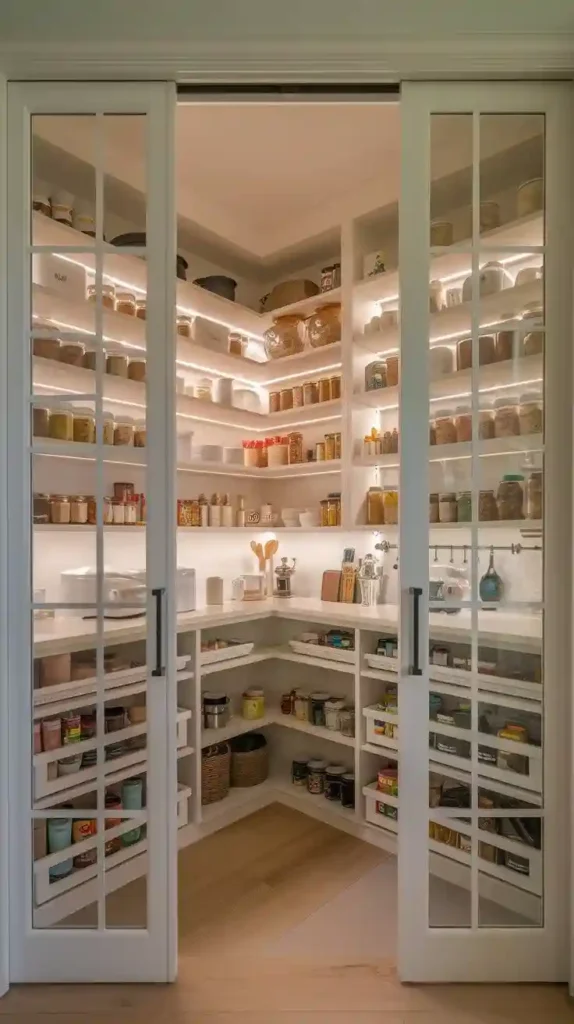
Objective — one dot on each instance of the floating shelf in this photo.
(498, 447)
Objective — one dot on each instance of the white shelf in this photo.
(123, 455)
(319, 732)
(237, 726)
(304, 306)
(504, 447)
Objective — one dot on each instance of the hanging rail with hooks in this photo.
(515, 549)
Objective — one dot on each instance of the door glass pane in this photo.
(88, 501)
(486, 482)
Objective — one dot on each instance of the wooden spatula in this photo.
(257, 550)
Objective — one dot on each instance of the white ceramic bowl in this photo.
(308, 518)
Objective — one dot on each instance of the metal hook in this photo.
(465, 549)
(436, 554)
(451, 555)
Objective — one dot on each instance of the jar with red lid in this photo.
(250, 454)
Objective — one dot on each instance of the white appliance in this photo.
(124, 587)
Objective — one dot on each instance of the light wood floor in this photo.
(240, 890)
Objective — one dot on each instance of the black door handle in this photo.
(158, 593)
(416, 594)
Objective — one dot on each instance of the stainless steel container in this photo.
(215, 710)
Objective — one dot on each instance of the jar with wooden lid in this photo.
(126, 303)
(310, 392)
(463, 423)
(391, 506)
(530, 413)
(274, 401)
(375, 375)
(108, 295)
(324, 389)
(329, 447)
(141, 309)
(72, 353)
(108, 428)
(510, 496)
(487, 507)
(445, 429)
(323, 327)
(334, 387)
(46, 348)
(486, 424)
(62, 424)
(78, 509)
(506, 422)
(392, 371)
(137, 370)
(117, 365)
(123, 431)
(60, 510)
(433, 508)
(375, 507)
(140, 434)
(40, 422)
(534, 495)
(84, 426)
(447, 507)
(295, 448)
(286, 399)
(297, 391)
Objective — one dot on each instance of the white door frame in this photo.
(118, 954)
(484, 954)
(4, 728)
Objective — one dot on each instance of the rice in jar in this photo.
(534, 496)
(445, 430)
(487, 507)
(506, 422)
(510, 496)
(530, 413)
(463, 423)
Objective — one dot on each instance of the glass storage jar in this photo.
(141, 309)
(486, 352)
(126, 303)
(487, 507)
(286, 399)
(123, 431)
(534, 496)
(108, 429)
(392, 371)
(118, 512)
(433, 508)
(316, 776)
(84, 426)
(62, 424)
(236, 343)
(375, 507)
(117, 365)
(375, 375)
(90, 360)
(140, 434)
(445, 430)
(72, 353)
(78, 509)
(447, 507)
(301, 707)
(533, 343)
(41, 508)
(463, 423)
(324, 389)
(297, 390)
(347, 721)
(504, 346)
(137, 370)
(324, 326)
(183, 324)
(108, 295)
(60, 510)
(107, 514)
(464, 507)
(40, 421)
(334, 387)
(486, 424)
(510, 496)
(47, 348)
(530, 413)
(391, 506)
(285, 337)
(310, 392)
(274, 401)
(506, 423)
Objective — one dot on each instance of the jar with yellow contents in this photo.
(391, 506)
(253, 703)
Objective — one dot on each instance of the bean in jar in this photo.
(391, 506)
(126, 303)
(463, 423)
(84, 426)
(487, 507)
(510, 496)
(534, 496)
(447, 507)
(40, 422)
(62, 425)
(506, 422)
(445, 430)
(530, 413)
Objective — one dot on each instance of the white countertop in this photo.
(508, 629)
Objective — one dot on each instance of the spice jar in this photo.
(295, 448)
(392, 371)
(445, 430)
(333, 708)
(316, 777)
(390, 506)
(486, 424)
(141, 309)
(534, 496)
(183, 324)
(301, 709)
(274, 401)
(487, 507)
(530, 413)
(447, 507)
(510, 496)
(117, 365)
(463, 423)
(375, 507)
(317, 703)
(333, 780)
(506, 423)
(40, 422)
(84, 426)
(137, 370)
(60, 511)
(140, 435)
(347, 721)
(433, 508)
(126, 303)
(72, 353)
(285, 399)
(78, 509)
(464, 507)
(334, 387)
(108, 295)
(310, 392)
(123, 431)
(62, 424)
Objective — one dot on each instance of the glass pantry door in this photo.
(91, 533)
(485, 534)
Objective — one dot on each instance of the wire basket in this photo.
(215, 773)
(249, 760)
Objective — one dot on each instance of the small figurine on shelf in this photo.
(284, 573)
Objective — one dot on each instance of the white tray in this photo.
(381, 662)
(235, 650)
(322, 651)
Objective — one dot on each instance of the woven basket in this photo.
(215, 773)
(249, 760)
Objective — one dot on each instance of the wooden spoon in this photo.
(257, 550)
(271, 548)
